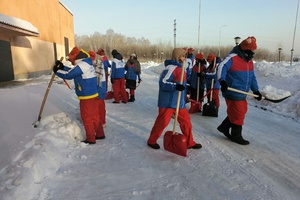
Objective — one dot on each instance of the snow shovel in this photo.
(254, 95)
(36, 123)
(196, 105)
(110, 94)
(173, 141)
(210, 108)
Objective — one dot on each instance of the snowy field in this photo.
(50, 162)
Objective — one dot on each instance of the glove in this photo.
(259, 95)
(224, 86)
(112, 81)
(139, 80)
(180, 87)
(58, 65)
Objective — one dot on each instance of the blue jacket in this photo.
(189, 66)
(194, 77)
(84, 77)
(238, 74)
(130, 70)
(117, 69)
(170, 76)
(212, 74)
(105, 63)
(101, 78)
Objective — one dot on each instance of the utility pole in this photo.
(199, 27)
(292, 50)
(174, 33)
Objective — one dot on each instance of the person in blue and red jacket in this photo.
(198, 71)
(85, 83)
(211, 74)
(237, 71)
(190, 59)
(169, 86)
(133, 73)
(117, 77)
(101, 85)
(104, 62)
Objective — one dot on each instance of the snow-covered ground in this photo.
(50, 162)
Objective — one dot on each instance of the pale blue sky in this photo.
(272, 22)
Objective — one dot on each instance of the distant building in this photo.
(33, 34)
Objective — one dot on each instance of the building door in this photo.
(6, 66)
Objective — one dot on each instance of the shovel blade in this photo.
(175, 143)
(109, 95)
(195, 106)
(210, 109)
(276, 100)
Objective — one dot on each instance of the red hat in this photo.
(92, 54)
(73, 54)
(249, 44)
(191, 50)
(100, 52)
(199, 56)
(211, 57)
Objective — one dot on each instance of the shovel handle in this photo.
(243, 92)
(178, 97)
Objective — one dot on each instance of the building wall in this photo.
(33, 56)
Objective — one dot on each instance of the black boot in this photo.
(236, 135)
(224, 127)
(132, 99)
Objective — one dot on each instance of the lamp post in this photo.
(292, 52)
(237, 40)
(279, 51)
(161, 55)
(220, 39)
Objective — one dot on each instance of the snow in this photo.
(50, 162)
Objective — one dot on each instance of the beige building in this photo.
(33, 34)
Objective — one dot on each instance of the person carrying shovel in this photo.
(237, 71)
(169, 87)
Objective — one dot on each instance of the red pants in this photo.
(236, 111)
(102, 110)
(119, 89)
(90, 119)
(163, 119)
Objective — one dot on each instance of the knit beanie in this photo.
(210, 57)
(178, 52)
(100, 52)
(248, 44)
(73, 54)
(92, 55)
(114, 52)
(199, 56)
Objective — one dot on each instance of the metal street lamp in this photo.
(220, 39)
(237, 40)
(161, 55)
(292, 52)
(279, 51)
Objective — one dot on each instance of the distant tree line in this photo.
(154, 52)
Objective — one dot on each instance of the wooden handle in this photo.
(179, 96)
(243, 92)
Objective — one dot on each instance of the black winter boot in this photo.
(236, 135)
(132, 99)
(224, 127)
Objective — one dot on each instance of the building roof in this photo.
(17, 24)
